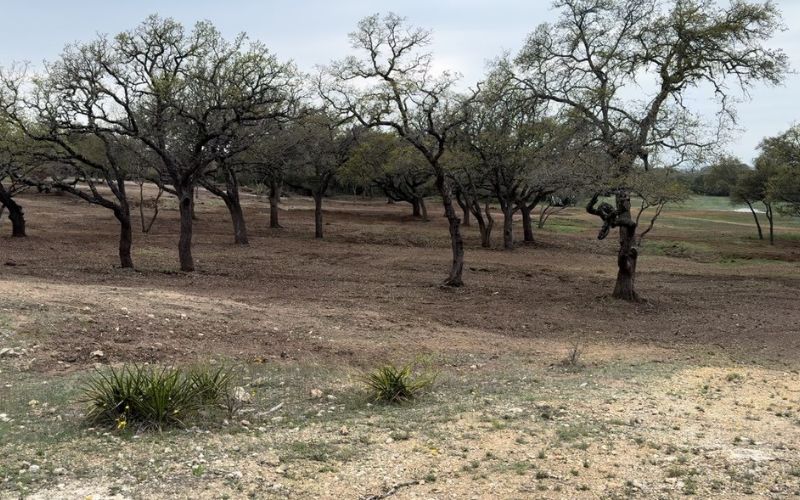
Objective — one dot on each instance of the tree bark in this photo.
(423, 208)
(234, 204)
(758, 224)
(274, 202)
(486, 227)
(464, 204)
(527, 224)
(415, 211)
(237, 218)
(185, 204)
(508, 226)
(17, 217)
(455, 277)
(318, 215)
(628, 254)
(125, 237)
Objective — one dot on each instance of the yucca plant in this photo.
(144, 397)
(213, 386)
(390, 384)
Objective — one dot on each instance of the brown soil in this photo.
(370, 290)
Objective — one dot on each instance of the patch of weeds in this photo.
(689, 486)
(677, 471)
(572, 433)
(573, 357)
(317, 451)
(734, 377)
(390, 384)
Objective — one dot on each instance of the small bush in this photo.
(390, 384)
(146, 397)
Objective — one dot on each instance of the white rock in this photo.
(33, 469)
(97, 354)
(241, 395)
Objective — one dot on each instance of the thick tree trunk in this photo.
(423, 208)
(758, 224)
(527, 224)
(318, 215)
(274, 202)
(508, 227)
(628, 254)
(237, 218)
(17, 218)
(454, 278)
(185, 204)
(415, 211)
(125, 237)
(769, 215)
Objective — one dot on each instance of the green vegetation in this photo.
(390, 384)
(147, 397)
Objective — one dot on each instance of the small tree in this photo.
(389, 163)
(325, 146)
(751, 188)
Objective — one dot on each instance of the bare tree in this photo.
(599, 51)
(398, 91)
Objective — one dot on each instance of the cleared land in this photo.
(696, 391)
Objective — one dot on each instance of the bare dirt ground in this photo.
(695, 391)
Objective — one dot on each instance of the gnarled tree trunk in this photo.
(626, 263)
(628, 254)
(620, 217)
(454, 278)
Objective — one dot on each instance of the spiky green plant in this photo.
(148, 397)
(390, 384)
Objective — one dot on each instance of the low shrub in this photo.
(390, 384)
(144, 397)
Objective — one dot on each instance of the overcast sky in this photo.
(467, 33)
